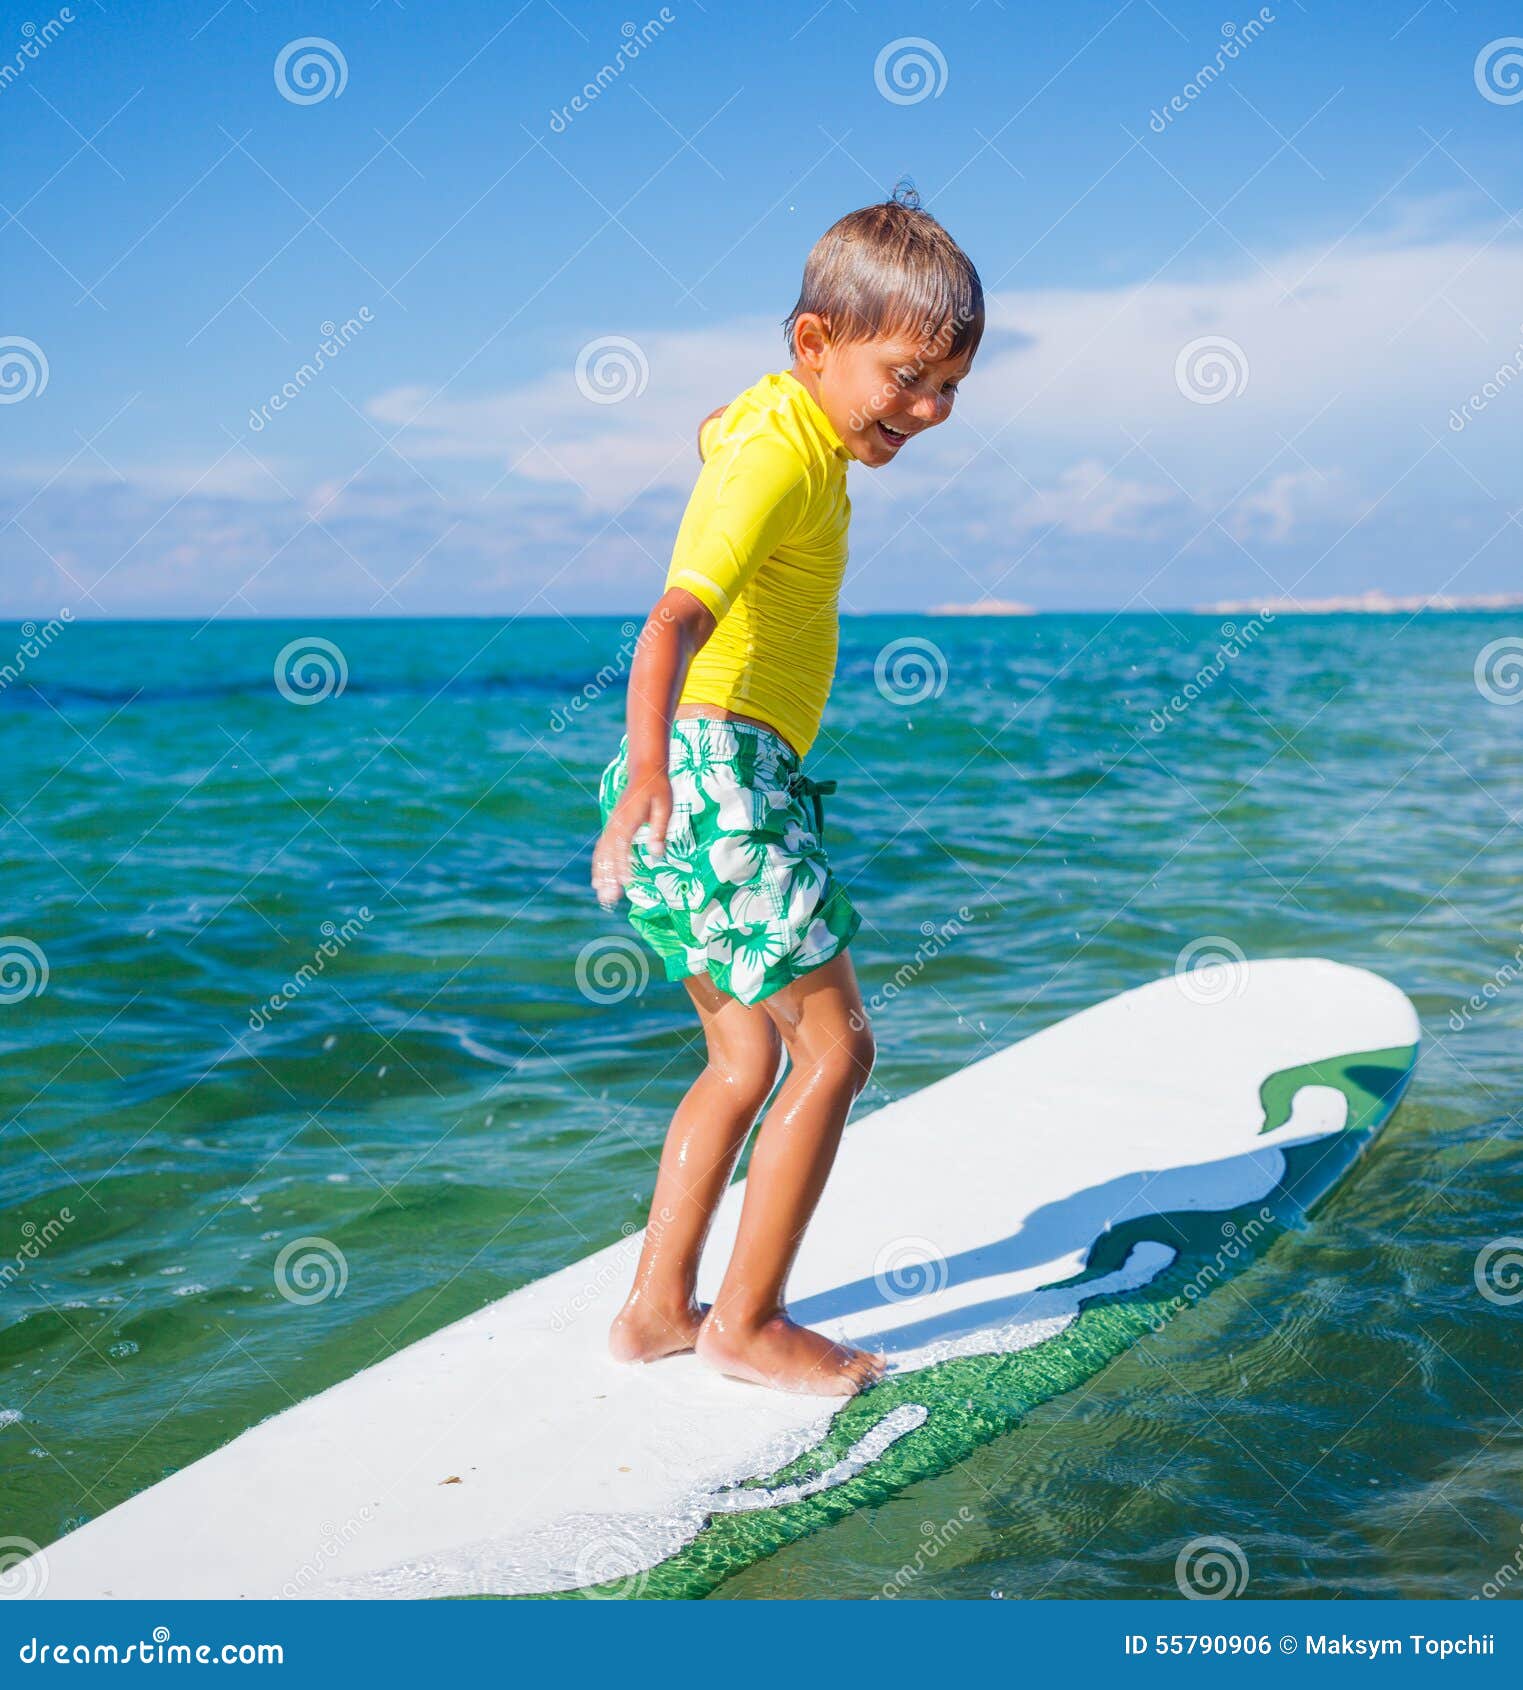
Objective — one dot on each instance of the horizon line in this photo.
(957, 615)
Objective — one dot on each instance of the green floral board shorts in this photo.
(744, 893)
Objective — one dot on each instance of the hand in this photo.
(646, 799)
(719, 412)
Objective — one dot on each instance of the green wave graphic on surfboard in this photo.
(968, 1401)
(1002, 1234)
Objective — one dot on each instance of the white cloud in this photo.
(1364, 332)
(549, 431)
(1073, 456)
(1087, 498)
(1074, 422)
(1286, 501)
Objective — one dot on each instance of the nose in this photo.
(930, 408)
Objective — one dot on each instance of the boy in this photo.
(705, 823)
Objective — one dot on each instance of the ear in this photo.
(811, 340)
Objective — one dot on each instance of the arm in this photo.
(748, 498)
(674, 633)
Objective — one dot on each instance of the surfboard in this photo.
(1002, 1235)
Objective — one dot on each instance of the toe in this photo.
(866, 1369)
(857, 1371)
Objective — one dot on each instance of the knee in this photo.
(852, 1055)
(864, 1053)
(749, 1071)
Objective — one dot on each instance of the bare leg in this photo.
(747, 1333)
(703, 1143)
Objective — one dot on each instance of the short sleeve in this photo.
(751, 494)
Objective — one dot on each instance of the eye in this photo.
(905, 375)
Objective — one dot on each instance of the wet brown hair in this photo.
(892, 268)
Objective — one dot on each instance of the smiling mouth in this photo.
(896, 437)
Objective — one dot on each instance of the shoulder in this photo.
(763, 426)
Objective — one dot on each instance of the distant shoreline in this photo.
(1367, 604)
(985, 607)
(1373, 602)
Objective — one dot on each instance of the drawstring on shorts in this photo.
(815, 790)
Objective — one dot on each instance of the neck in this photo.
(807, 379)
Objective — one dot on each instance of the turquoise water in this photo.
(438, 1096)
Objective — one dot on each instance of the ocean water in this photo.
(299, 943)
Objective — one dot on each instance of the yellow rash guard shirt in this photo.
(763, 546)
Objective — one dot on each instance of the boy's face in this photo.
(878, 393)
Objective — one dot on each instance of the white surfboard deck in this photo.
(985, 1191)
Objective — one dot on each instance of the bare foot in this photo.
(786, 1357)
(644, 1332)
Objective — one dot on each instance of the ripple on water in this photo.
(442, 1103)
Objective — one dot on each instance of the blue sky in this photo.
(1331, 215)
